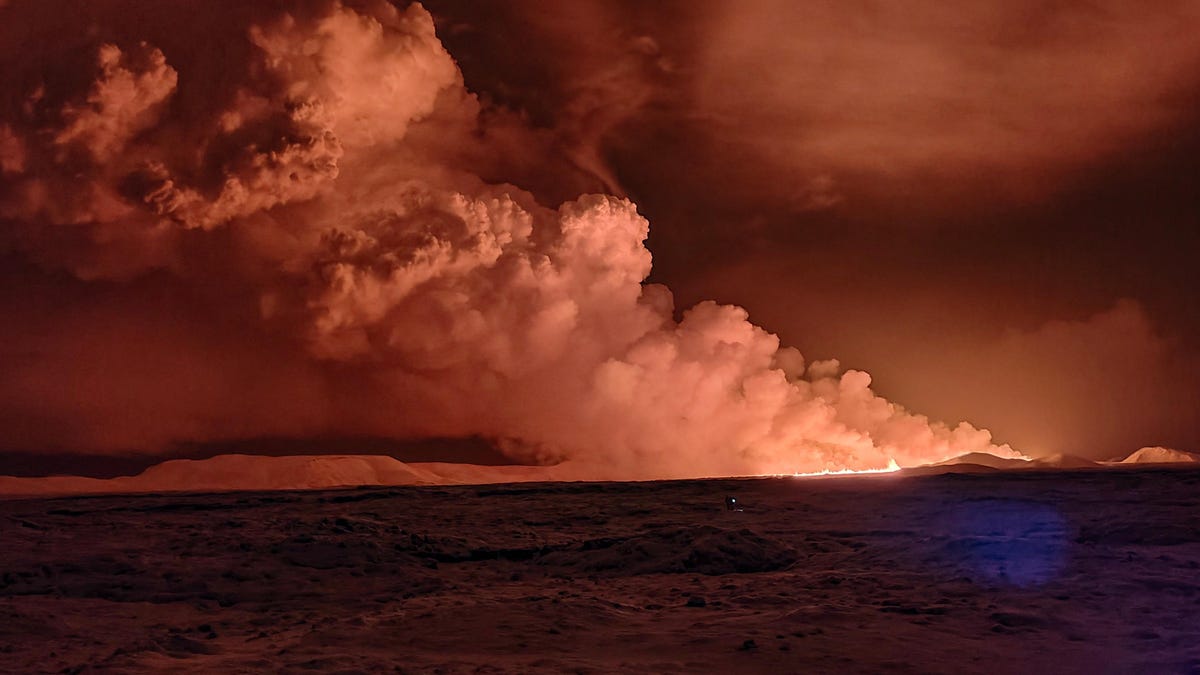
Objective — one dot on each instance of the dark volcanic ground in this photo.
(1095, 571)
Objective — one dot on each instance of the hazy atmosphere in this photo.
(313, 221)
(599, 336)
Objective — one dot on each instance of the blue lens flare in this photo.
(1010, 542)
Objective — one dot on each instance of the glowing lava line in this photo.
(890, 468)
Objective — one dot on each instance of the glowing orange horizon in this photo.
(892, 467)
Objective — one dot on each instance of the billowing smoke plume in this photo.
(305, 228)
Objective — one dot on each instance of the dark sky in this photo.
(297, 221)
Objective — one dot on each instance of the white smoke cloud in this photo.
(338, 203)
(125, 99)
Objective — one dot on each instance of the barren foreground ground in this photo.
(1007, 572)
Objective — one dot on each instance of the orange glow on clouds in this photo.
(313, 241)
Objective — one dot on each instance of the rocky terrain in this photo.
(1031, 571)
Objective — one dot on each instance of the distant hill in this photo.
(982, 461)
(306, 472)
(296, 472)
(255, 472)
(986, 459)
(1160, 455)
(1061, 461)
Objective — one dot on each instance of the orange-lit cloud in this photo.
(925, 85)
(1096, 382)
(1093, 386)
(316, 241)
(805, 106)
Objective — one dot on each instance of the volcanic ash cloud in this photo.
(337, 197)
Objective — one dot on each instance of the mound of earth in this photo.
(254, 472)
(1160, 455)
(1062, 461)
(701, 549)
(942, 469)
(258, 472)
(292, 472)
(988, 460)
(62, 485)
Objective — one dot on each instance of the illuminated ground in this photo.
(1003, 572)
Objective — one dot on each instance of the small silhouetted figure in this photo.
(731, 504)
